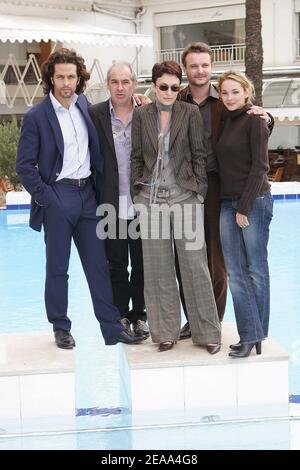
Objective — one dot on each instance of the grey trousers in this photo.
(161, 224)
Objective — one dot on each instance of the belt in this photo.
(76, 182)
(167, 192)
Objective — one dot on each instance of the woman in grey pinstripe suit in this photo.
(169, 186)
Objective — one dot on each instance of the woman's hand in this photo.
(242, 220)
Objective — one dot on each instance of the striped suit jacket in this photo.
(187, 147)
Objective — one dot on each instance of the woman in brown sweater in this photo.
(246, 211)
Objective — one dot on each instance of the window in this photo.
(213, 33)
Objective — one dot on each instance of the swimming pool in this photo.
(22, 266)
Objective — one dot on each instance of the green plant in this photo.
(9, 137)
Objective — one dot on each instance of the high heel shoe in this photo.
(166, 345)
(236, 346)
(213, 348)
(245, 350)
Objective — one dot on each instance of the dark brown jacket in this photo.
(218, 114)
(187, 147)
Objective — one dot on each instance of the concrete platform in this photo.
(17, 199)
(36, 378)
(186, 383)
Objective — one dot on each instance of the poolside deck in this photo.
(192, 383)
(36, 378)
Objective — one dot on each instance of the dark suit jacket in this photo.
(100, 114)
(187, 146)
(40, 155)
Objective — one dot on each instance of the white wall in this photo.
(279, 32)
(179, 12)
(279, 24)
(278, 17)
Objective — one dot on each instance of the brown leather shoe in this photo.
(213, 348)
(165, 346)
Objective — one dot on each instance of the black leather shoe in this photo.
(165, 346)
(213, 348)
(140, 328)
(126, 323)
(64, 339)
(245, 350)
(123, 337)
(236, 347)
(185, 331)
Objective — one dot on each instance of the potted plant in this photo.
(9, 137)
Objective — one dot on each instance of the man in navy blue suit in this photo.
(60, 164)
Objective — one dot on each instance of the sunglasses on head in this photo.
(174, 88)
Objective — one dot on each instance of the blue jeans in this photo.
(246, 259)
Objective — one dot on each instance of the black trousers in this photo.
(216, 264)
(126, 286)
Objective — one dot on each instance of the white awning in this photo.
(25, 28)
(286, 115)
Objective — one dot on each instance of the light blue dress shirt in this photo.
(76, 158)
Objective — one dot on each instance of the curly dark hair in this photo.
(168, 66)
(64, 56)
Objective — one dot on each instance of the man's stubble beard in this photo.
(199, 85)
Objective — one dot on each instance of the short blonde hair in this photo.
(240, 78)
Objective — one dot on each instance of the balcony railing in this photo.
(224, 53)
(169, 54)
(229, 53)
(298, 48)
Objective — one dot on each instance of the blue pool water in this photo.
(22, 267)
(274, 435)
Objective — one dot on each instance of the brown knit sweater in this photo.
(242, 154)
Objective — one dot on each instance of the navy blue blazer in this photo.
(40, 155)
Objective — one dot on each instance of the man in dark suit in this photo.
(60, 164)
(112, 120)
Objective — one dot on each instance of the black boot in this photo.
(185, 331)
(246, 349)
(236, 347)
